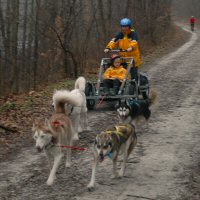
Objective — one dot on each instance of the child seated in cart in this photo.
(113, 76)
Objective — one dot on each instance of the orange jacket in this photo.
(115, 73)
(122, 41)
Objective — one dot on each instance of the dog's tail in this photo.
(80, 83)
(153, 96)
(61, 97)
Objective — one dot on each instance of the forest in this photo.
(43, 40)
(184, 9)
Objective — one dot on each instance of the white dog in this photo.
(75, 102)
(51, 134)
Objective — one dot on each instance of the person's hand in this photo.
(106, 50)
(129, 49)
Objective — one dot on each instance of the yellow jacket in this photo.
(122, 41)
(115, 73)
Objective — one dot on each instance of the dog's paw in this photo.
(90, 187)
(76, 137)
(121, 174)
(50, 181)
(68, 164)
(80, 130)
(88, 128)
(114, 176)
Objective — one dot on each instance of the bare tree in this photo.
(44, 40)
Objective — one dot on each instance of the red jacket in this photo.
(192, 20)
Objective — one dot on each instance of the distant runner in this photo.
(192, 22)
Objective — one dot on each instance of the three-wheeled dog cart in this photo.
(129, 89)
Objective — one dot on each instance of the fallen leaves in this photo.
(18, 112)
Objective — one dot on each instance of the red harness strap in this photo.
(99, 104)
(56, 123)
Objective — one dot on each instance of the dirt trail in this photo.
(163, 162)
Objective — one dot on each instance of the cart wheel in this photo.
(132, 89)
(145, 94)
(90, 91)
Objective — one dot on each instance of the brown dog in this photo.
(53, 133)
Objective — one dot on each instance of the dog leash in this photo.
(98, 105)
(73, 147)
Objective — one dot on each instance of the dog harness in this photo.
(117, 131)
(121, 137)
(48, 146)
(71, 111)
(57, 123)
(130, 103)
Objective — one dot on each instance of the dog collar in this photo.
(110, 155)
(48, 146)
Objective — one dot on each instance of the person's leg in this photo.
(192, 26)
(107, 84)
(134, 71)
(116, 85)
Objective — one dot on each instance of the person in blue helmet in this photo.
(126, 31)
(127, 40)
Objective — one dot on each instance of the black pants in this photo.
(192, 26)
(109, 83)
(133, 71)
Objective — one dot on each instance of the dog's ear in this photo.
(33, 127)
(123, 101)
(35, 124)
(47, 123)
(54, 139)
(53, 104)
(118, 103)
(96, 140)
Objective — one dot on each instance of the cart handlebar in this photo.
(117, 50)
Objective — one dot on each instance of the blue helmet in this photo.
(125, 22)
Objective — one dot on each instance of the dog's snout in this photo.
(38, 148)
(101, 154)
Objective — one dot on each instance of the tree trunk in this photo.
(15, 24)
(35, 51)
(24, 66)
